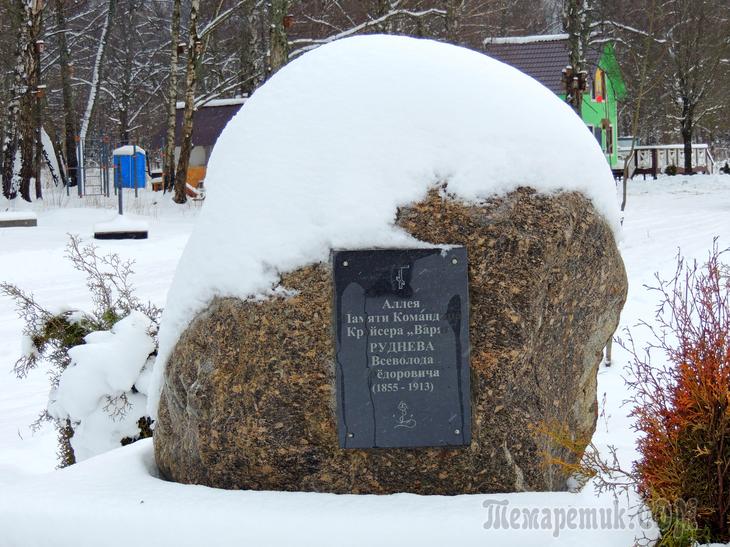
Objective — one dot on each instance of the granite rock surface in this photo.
(248, 400)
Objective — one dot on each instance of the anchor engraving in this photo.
(403, 421)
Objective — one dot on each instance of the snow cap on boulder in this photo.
(325, 152)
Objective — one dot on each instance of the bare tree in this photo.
(195, 47)
(135, 73)
(349, 19)
(251, 53)
(681, 62)
(32, 132)
(18, 141)
(198, 43)
(110, 61)
(168, 166)
(69, 113)
(577, 23)
(95, 82)
(643, 59)
(278, 43)
(12, 117)
(697, 41)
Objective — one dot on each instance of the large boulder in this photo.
(248, 400)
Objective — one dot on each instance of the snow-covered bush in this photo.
(98, 361)
(103, 391)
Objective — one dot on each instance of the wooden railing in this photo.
(654, 160)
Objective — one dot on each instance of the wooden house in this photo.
(209, 121)
(544, 57)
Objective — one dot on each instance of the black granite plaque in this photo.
(401, 321)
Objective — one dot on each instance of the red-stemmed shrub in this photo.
(681, 404)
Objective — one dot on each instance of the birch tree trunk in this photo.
(96, 74)
(195, 46)
(69, 115)
(29, 116)
(10, 175)
(168, 161)
(251, 55)
(36, 34)
(27, 156)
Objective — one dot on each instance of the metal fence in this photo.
(94, 159)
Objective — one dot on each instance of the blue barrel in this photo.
(130, 163)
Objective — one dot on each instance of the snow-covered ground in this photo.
(33, 258)
(117, 499)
